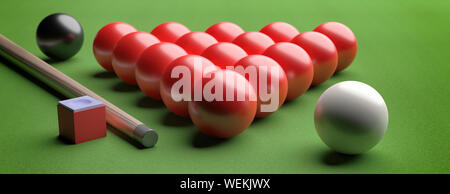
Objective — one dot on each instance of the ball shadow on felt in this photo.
(104, 75)
(124, 87)
(170, 119)
(53, 61)
(334, 158)
(146, 102)
(200, 140)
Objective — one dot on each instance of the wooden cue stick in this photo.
(114, 116)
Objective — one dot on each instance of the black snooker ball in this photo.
(59, 36)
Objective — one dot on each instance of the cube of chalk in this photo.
(81, 119)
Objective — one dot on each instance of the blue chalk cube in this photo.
(81, 119)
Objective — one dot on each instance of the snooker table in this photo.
(403, 47)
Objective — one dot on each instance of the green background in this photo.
(403, 53)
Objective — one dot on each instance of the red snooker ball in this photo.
(196, 42)
(344, 40)
(225, 31)
(323, 54)
(152, 64)
(280, 31)
(170, 31)
(105, 41)
(127, 52)
(195, 65)
(253, 42)
(224, 54)
(277, 83)
(297, 65)
(224, 119)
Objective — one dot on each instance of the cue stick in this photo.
(115, 117)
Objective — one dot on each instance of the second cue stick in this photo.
(116, 117)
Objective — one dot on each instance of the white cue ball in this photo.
(351, 117)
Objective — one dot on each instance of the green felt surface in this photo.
(403, 53)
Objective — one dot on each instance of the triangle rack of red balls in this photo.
(150, 60)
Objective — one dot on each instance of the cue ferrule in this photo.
(145, 135)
